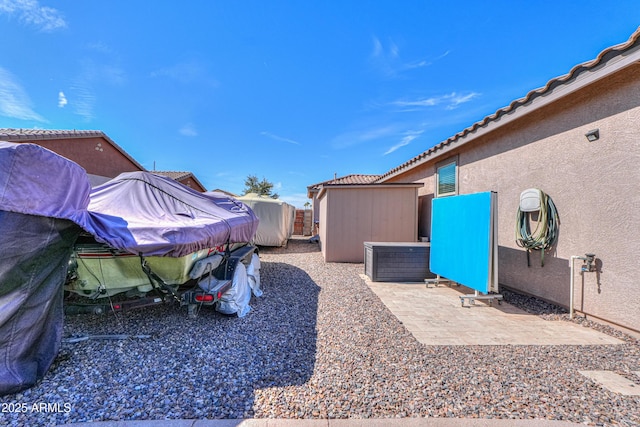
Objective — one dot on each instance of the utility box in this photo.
(397, 261)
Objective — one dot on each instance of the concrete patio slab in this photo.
(435, 316)
(614, 382)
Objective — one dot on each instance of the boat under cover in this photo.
(152, 215)
(46, 201)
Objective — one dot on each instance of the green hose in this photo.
(545, 234)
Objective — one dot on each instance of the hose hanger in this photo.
(545, 234)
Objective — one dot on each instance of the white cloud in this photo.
(406, 140)
(32, 13)
(352, 138)
(450, 101)
(188, 130)
(83, 98)
(461, 99)
(388, 61)
(62, 100)
(92, 74)
(14, 101)
(279, 138)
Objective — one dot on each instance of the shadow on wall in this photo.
(204, 368)
(551, 282)
(424, 215)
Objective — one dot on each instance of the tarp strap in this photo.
(157, 280)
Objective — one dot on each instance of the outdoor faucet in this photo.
(589, 262)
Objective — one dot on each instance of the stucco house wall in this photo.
(353, 214)
(594, 185)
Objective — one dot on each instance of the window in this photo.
(447, 184)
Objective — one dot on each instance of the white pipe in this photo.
(573, 257)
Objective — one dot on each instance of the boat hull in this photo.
(99, 271)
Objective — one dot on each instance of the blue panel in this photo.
(461, 239)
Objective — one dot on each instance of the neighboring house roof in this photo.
(609, 61)
(228, 193)
(180, 176)
(347, 179)
(15, 135)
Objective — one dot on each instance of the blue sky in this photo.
(290, 91)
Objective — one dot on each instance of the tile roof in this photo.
(178, 176)
(30, 134)
(347, 179)
(607, 55)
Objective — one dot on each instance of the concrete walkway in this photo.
(435, 316)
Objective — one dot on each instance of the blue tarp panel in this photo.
(461, 239)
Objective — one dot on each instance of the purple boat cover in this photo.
(152, 215)
(43, 197)
(37, 181)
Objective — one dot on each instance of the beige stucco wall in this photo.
(352, 215)
(595, 186)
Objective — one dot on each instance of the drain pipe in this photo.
(589, 260)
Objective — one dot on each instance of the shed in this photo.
(351, 214)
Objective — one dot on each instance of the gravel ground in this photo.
(317, 344)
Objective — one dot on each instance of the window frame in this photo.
(441, 165)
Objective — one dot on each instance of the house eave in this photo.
(607, 63)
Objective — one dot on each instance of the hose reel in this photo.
(545, 234)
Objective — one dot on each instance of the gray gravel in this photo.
(318, 344)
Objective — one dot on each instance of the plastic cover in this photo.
(253, 274)
(236, 299)
(205, 265)
(276, 219)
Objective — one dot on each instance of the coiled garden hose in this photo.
(545, 234)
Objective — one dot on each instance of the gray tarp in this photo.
(35, 252)
(41, 196)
